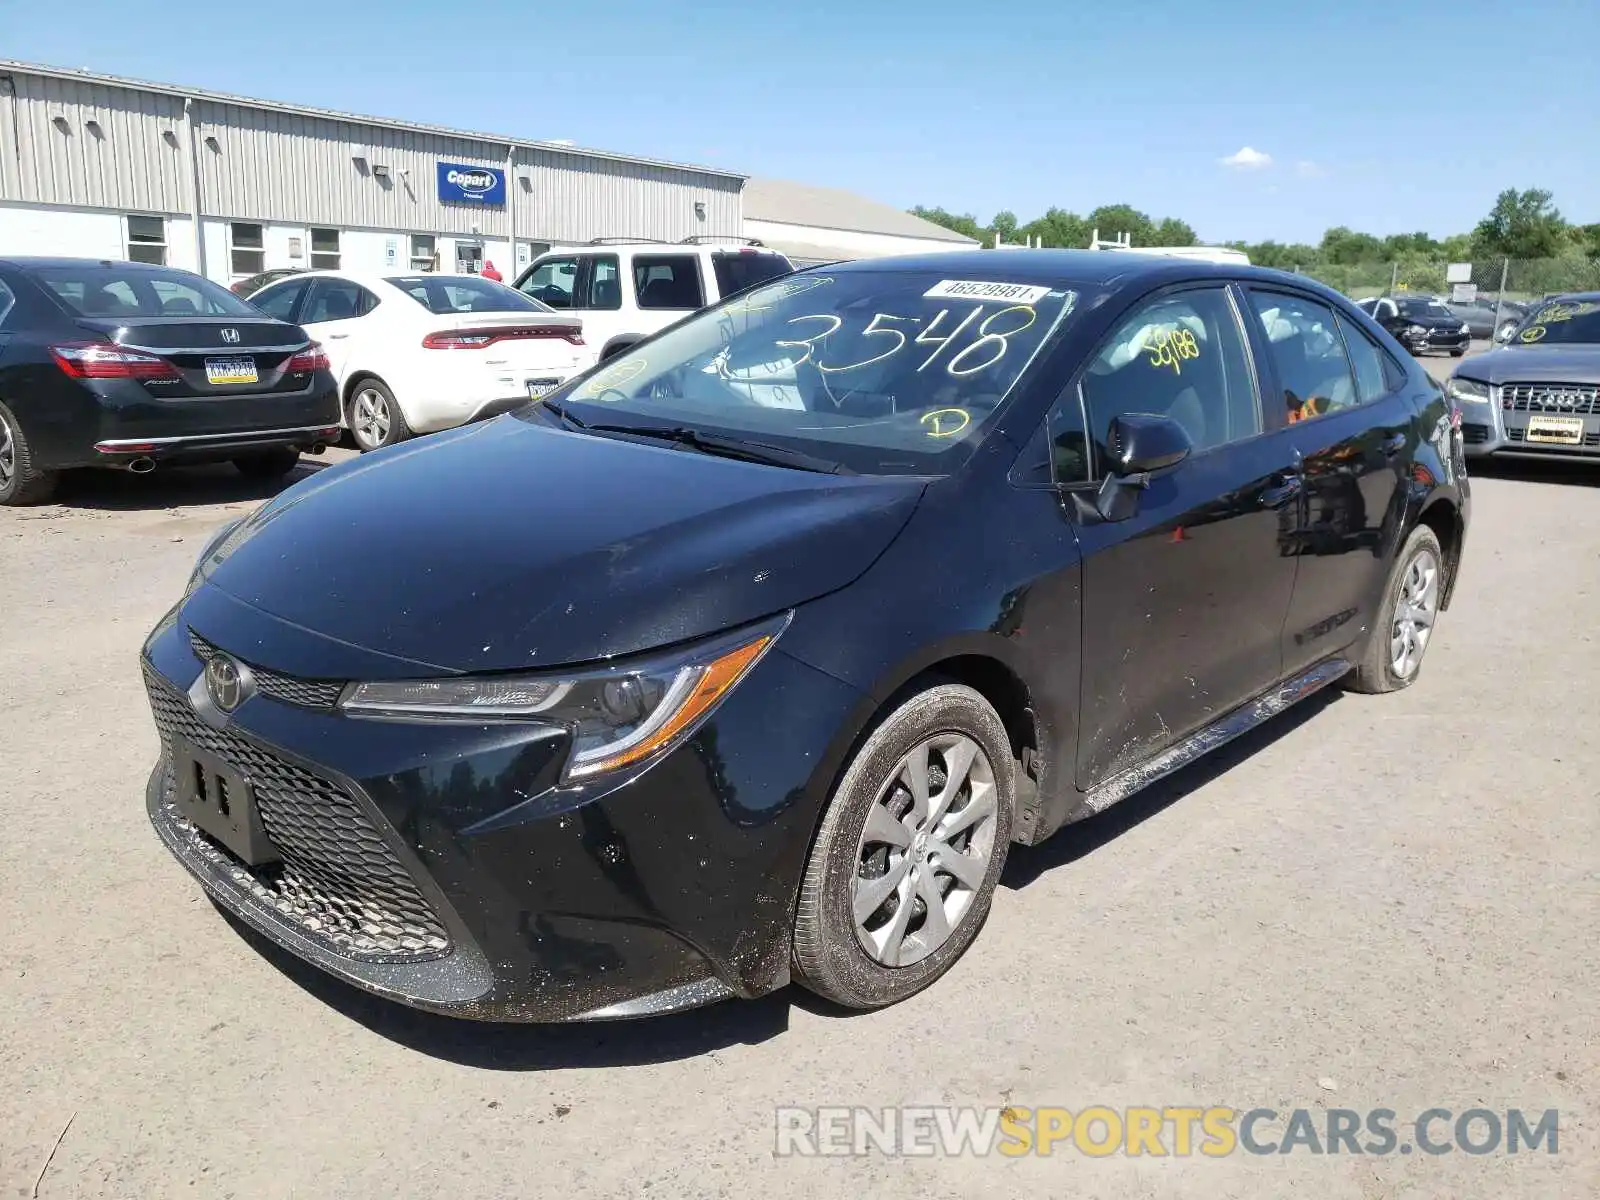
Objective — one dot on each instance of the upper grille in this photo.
(1573, 398)
(338, 880)
(307, 693)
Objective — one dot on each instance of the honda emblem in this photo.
(230, 336)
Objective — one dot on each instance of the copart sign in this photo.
(463, 183)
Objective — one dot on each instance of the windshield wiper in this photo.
(727, 447)
(562, 414)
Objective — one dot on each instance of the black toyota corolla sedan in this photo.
(119, 364)
(747, 655)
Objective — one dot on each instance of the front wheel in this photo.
(1406, 616)
(1457, 353)
(909, 852)
(375, 418)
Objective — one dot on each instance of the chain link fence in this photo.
(1512, 280)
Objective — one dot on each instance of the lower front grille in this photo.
(1474, 435)
(339, 881)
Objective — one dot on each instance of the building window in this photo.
(249, 250)
(324, 249)
(422, 252)
(147, 240)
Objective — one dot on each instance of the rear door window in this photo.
(1303, 339)
(1367, 360)
(667, 281)
(739, 270)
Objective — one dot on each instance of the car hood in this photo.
(512, 545)
(1535, 364)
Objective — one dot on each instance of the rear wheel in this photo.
(1410, 607)
(374, 418)
(267, 464)
(909, 853)
(20, 481)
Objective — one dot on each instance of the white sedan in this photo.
(420, 353)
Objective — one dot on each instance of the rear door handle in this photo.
(1282, 489)
(1393, 444)
(333, 337)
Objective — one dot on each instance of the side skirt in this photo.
(1219, 733)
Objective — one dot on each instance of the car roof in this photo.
(1091, 268)
(1566, 297)
(26, 261)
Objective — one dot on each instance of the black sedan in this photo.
(1537, 394)
(747, 655)
(250, 285)
(1421, 323)
(118, 364)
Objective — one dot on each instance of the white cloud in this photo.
(1247, 158)
(1307, 169)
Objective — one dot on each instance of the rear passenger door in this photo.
(1355, 434)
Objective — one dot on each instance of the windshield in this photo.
(883, 371)
(465, 294)
(116, 291)
(1563, 323)
(1424, 308)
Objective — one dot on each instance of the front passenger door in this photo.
(332, 313)
(1184, 601)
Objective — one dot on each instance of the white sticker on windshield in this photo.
(977, 289)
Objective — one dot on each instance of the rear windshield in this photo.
(92, 290)
(736, 271)
(465, 294)
(1566, 323)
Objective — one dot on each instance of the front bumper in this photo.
(1438, 341)
(440, 865)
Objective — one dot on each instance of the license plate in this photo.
(231, 370)
(541, 387)
(1560, 431)
(219, 801)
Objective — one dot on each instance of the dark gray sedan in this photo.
(1537, 394)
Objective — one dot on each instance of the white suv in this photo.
(626, 289)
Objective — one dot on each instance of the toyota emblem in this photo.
(231, 336)
(226, 682)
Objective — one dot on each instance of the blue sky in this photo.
(1385, 117)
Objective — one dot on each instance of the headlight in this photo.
(1467, 389)
(1465, 328)
(617, 716)
(1416, 331)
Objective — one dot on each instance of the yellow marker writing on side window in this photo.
(1533, 333)
(946, 422)
(1170, 349)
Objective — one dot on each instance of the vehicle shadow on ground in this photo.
(516, 1047)
(504, 1046)
(1027, 863)
(1525, 470)
(172, 487)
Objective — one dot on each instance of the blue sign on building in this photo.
(463, 183)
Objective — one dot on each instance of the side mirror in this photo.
(1137, 446)
(1142, 443)
(1503, 334)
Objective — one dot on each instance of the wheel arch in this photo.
(618, 344)
(1443, 516)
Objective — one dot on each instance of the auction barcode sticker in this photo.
(977, 289)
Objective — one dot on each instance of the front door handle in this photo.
(1281, 490)
(333, 337)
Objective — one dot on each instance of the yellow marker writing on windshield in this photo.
(946, 422)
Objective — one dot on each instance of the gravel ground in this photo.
(1373, 902)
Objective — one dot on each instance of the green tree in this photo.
(1170, 231)
(1004, 226)
(1522, 225)
(1058, 228)
(964, 223)
(1114, 219)
(1343, 246)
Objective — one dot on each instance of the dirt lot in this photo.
(1375, 902)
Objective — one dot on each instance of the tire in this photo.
(829, 955)
(1377, 671)
(374, 417)
(1457, 353)
(20, 481)
(267, 465)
